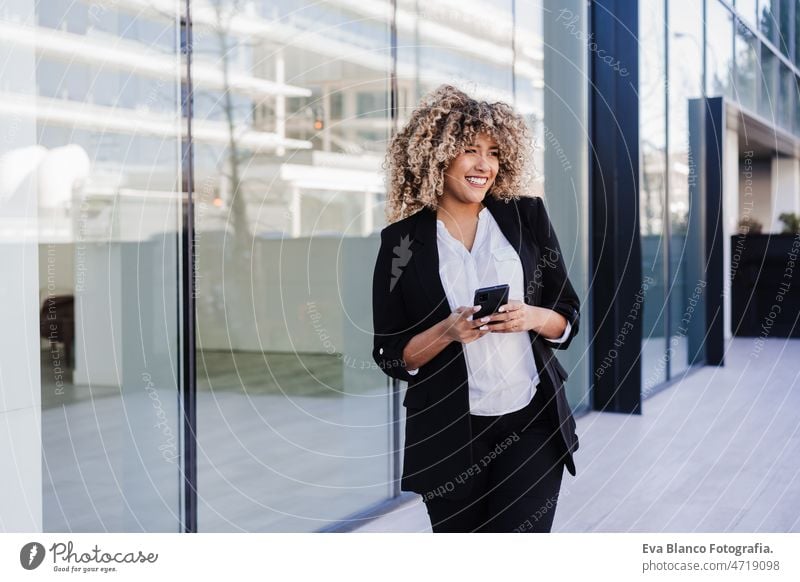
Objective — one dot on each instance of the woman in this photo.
(488, 426)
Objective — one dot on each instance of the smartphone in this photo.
(490, 299)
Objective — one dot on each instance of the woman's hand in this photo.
(514, 316)
(517, 316)
(460, 326)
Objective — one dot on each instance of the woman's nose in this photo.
(482, 165)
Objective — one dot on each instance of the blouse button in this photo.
(380, 351)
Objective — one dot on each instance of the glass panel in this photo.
(562, 69)
(295, 418)
(653, 131)
(719, 51)
(530, 85)
(796, 98)
(685, 85)
(797, 32)
(768, 19)
(785, 31)
(443, 44)
(768, 100)
(787, 96)
(90, 178)
(746, 89)
(747, 10)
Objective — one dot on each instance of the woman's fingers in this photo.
(513, 305)
(508, 322)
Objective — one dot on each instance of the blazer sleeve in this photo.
(557, 291)
(392, 329)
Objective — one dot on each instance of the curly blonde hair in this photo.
(444, 123)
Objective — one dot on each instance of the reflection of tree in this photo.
(746, 66)
(679, 222)
(239, 250)
(652, 186)
(767, 24)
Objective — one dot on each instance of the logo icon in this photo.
(402, 254)
(32, 555)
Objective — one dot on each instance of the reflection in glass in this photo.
(89, 108)
(443, 45)
(787, 96)
(785, 29)
(295, 418)
(685, 84)
(653, 119)
(719, 51)
(746, 89)
(767, 19)
(796, 32)
(747, 10)
(768, 99)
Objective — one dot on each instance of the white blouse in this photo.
(501, 370)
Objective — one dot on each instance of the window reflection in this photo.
(685, 85)
(747, 10)
(768, 19)
(89, 173)
(653, 119)
(288, 207)
(747, 68)
(719, 47)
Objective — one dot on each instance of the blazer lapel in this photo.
(425, 259)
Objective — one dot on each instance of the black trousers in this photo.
(515, 478)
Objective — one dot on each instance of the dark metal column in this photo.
(188, 386)
(714, 171)
(614, 201)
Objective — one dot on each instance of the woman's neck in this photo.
(450, 210)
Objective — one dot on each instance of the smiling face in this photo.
(470, 175)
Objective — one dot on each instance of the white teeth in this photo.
(477, 181)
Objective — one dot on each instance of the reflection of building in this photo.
(293, 104)
(717, 143)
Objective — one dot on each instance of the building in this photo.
(203, 364)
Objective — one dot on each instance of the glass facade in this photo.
(91, 193)
(742, 52)
(293, 105)
(653, 188)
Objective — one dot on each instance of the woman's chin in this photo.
(474, 197)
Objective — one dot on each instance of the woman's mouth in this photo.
(476, 181)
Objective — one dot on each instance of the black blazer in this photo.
(408, 297)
